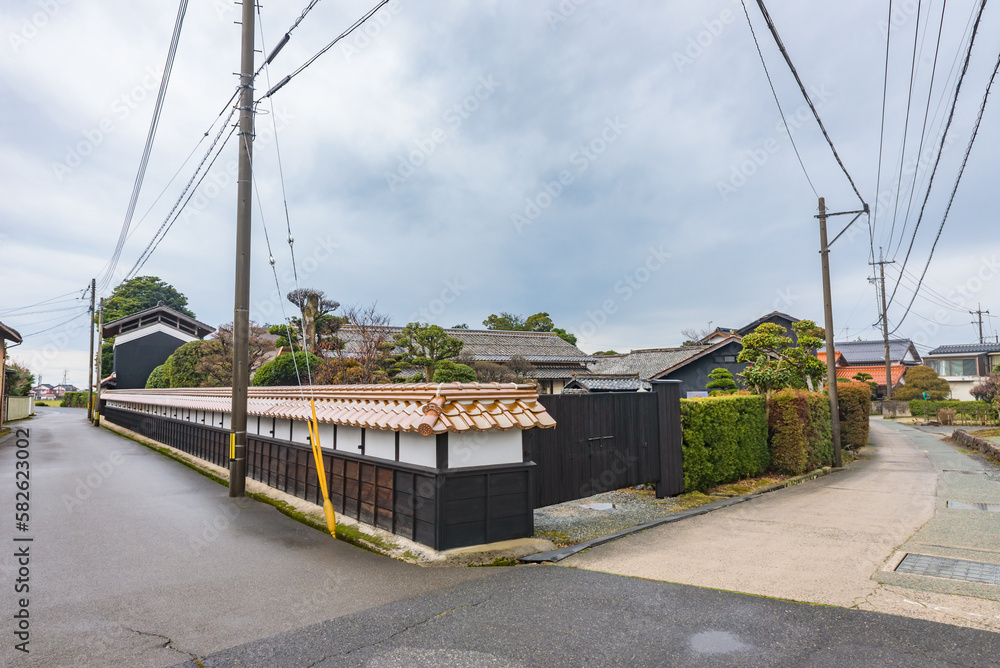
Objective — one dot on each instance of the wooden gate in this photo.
(606, 441)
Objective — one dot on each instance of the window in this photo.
(963, 367)
(725, 359)
(994, 361)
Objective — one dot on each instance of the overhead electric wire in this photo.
(954, 190)
(284, 40)
(148, 148)
(780, 110)
(357, 24)
(805, 94)
(906, 123)
(944, 136)
(881, 134)
(86, 311)
(52, 300)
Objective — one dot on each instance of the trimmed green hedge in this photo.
(965, 410)
(725, 439)
(800, 431)
(855, 401)
(74, 400)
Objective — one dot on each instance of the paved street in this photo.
(137, 560)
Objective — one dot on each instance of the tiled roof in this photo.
(425, 408)
(839, 359)
(609, 383)
(877, 372)
(873, 352)
(496, 346)
(970, 348)
(643, 363)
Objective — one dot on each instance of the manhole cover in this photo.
(954, 569)
(961, 505)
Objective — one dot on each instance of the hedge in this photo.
(800, 431)
(965, 410)
(855, 401)
(74, 400)
(725, 439)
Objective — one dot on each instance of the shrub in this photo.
(181, 368)
(157, 378)
(725, 439)
(855, 401)
(447, 371)
(788, 428)
(819, 439)
(965, 410)
(74, 400)
(282, 369)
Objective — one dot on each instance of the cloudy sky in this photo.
(620, 165)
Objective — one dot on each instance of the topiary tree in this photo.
(288, 369)
(721, 381)
(181, 368)
(425, 346)
(920, 379)
(775, 363)
(451, 372)
(157, 378)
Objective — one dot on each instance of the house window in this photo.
(963, 367)
(994, 362)
(725, 359)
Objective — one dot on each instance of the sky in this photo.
(620, 165)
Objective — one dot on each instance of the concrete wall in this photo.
(18, 408)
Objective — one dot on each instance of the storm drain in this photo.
(954, 569)
(961, 505)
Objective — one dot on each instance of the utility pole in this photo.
(99, 363)
(241, 306)
(831, 353)
(90, 371)
(979, 312)
(885, 323)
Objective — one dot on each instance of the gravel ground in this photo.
(573, 522)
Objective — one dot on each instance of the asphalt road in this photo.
(558, 616)
(136, 560)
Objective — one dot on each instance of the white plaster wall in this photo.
(282, 429)
(348, 439)
(484, 448)
(380, 443)
(300, 432)
(326, 436)
(417, 449)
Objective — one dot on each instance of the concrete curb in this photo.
(564, 552)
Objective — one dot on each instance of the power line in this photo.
(357, 24)
(58, 299)
(944, 136)
(784, 52)
(86, 311)
(780, 111)
(881, 134)
(147, 150)
(954, 190)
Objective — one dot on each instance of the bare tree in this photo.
(370, 344)
(217, 365)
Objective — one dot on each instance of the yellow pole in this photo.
(331, 515)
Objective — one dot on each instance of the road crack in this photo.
(168, 644)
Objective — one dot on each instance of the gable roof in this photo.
(966, 348)
(749, 327)
(157, 314)
(876, 371)
(490, 345)
(602, 382)
(873, 352)
(838, 359)
(651, 363)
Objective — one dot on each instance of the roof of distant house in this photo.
(873, 352)
(966, 348)
(157, 314)
(649, 363)
(9, 333)
(598, 382)
(876, 371)
(749, 327)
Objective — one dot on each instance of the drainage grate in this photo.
(960, 505)
(954, 569)
(965, 472)
(989, 475)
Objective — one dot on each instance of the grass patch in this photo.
(499, 561)
(986, 433)
(747, 486)
(48, 402)
(558, 538)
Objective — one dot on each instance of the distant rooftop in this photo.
(969, 348)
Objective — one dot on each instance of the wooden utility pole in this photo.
(99, 363)
(831, 353)
(90, 370)
(885, 323)
(241, 306)
(979, 312)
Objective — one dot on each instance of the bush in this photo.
(725, 439)
(800, 430)
(855, 401)
(74, 400)
(157, 378)
(282, 369)
(973, 411)
(447, 371)
(819, 439)
(181, 368)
